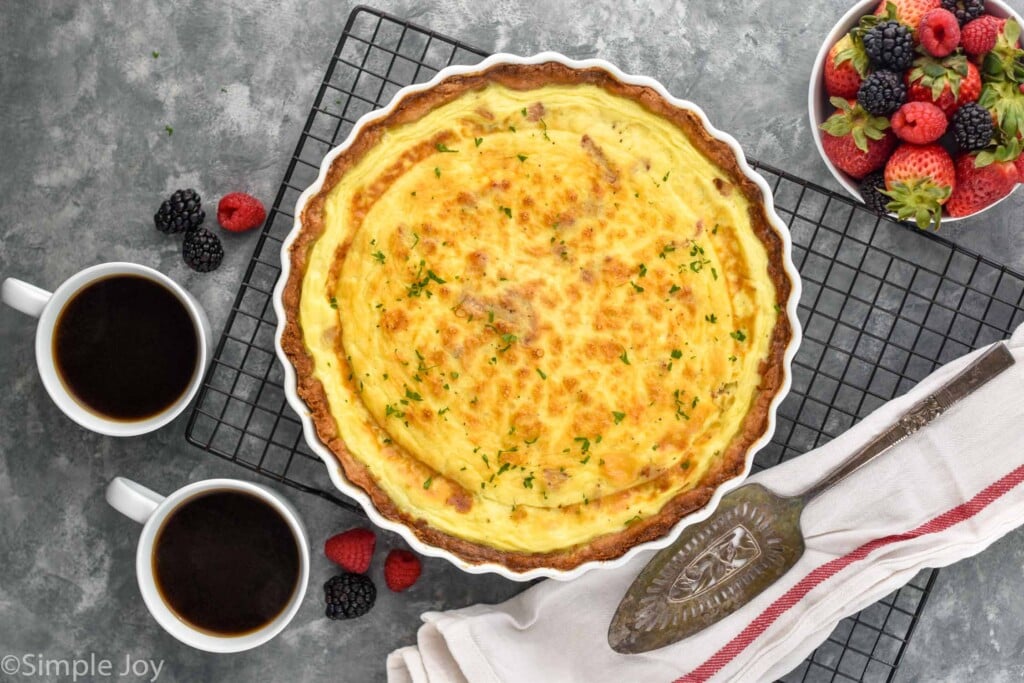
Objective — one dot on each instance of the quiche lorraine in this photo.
(538, 314)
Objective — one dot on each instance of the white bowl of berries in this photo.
(917, 106)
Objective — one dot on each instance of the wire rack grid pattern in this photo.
(882, 306)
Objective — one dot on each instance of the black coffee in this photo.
(226, 562)
(126, 347)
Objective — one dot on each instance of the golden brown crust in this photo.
(611, 545)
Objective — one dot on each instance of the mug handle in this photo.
(132, 500)
(22, 296)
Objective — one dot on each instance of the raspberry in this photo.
(919, 123)
(401, 569)
(979, 36)
(939, 32)
(239, 212)
(352, 549)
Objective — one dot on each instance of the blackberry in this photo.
(202, 250)
(882, 93)
(890, 45)
(181, 213)
(964, 10)
(349, 596)
(870, 192)
(972, 127)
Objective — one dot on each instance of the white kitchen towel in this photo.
(945, 493)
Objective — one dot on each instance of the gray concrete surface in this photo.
(85, 158)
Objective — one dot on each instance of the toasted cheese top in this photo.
(537, 315)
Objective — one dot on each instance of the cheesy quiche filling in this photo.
(537, 315)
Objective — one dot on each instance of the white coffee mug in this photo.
(151, 509)
(41, 304)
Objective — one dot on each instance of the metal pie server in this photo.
(754, 537)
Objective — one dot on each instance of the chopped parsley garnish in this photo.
(522, 157)
(530, 442)
(437, 172)
(619, 417)
(170, 131)
(512, 128)
(523, 112)
(505, 210)
(478, 141)
(674, 289)
(423, 282)
(733, 359)
(544, 128)
(664, 178)
(528, 482)
(378, 256)
(453, 375)
(680, 414)
(390, 410)
(667, 249)
(504, 467)
(738, 335)
(508, 340)
(643, 270)
(443, 410)
(155, 54)
(441, 147)
(412, 395)
(486, 461)
(334, 302)
(625, 357)
(585, 460)
(638, 288)
(711, 318)
(677, 354)
(541, 373)
(584, 442)
(428, 482)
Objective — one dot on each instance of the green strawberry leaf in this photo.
(856, 122)
(1011, 31)
(920, 200)
(984, 159)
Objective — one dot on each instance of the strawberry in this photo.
(855, 141)
(1019, 163)
(919, 179)
(845, 67)
(352, 549)
(948, 82)
(939, 32)
(908, 12)
(239, 212)
(979, 36)
(978, 187)
(919, 123)
(401, 569)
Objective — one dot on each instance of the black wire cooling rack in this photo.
(882, 306)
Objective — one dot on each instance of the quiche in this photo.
(538, 314)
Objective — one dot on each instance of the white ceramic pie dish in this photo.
(334, 469)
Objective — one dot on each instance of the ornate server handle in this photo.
(987, 366)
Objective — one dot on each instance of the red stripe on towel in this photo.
(791, 597)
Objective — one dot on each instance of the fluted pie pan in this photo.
(537, 315)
